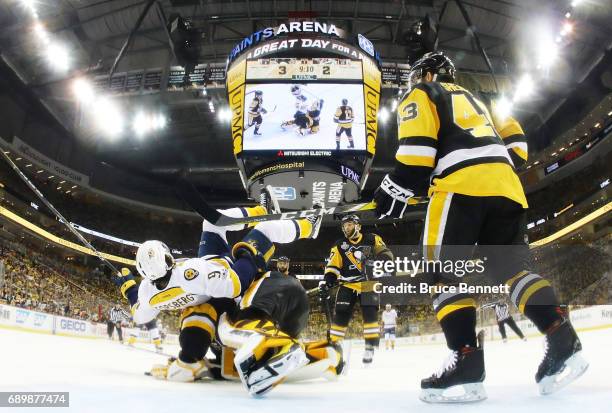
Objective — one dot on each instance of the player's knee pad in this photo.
(322, 353)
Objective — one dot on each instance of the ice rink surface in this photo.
(104, 376)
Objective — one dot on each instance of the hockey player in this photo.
(282, 266)
(346, 262)
(256, 110)
(314, 115)
(454, 151)
(389, 324)
(300, 117)
(344, 118)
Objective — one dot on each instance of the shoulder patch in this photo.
(190, 274)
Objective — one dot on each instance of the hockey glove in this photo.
(328, 283)
(127, 284)
(391, 199)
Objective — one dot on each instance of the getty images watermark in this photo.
(413, 267)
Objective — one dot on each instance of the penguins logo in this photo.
(190, 274)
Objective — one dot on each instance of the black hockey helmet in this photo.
(296, 90)
(258, 93)
(351, 218)
(345, 102)
(436, 63)
(302, 98)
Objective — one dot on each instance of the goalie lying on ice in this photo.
(206, 287)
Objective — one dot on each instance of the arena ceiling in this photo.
(94, 35)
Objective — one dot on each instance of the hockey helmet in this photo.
(296, 90)
(344, 102)
(436, 63)
(153, 260)
(258, 93)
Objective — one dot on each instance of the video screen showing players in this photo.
(320, 116)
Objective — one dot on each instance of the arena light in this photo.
(144, 123)
(58, 57)
(224, 114)
(83, 91)
(503, 107)
(567, 28)
(576, 3)
(524, 88)
(394, 105)
(546, 53)
(383, 114)
(42, 34)
(108, 117)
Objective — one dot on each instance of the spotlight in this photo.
(502, 107)
(567, 28)
(524, 88)
(58, 57)
(383, 114)
(108, 117)
(140, 124)
(83, 90)
(546, 53)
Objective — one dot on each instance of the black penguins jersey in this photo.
(346, 258)
(344, 116)
(449, 142)
(256, 106)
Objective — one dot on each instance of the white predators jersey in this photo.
(389, 318)
(193, 281)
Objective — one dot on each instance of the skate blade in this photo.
(347, 347)
(473, 392)
(574, 367)
(263, 381)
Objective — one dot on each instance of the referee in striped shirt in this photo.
(503, 317)
(115, 316)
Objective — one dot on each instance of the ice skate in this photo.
(563, 362)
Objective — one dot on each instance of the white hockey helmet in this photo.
(153, 260)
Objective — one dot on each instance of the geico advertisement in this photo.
(70, 326)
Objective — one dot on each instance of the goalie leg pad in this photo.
(259, 371)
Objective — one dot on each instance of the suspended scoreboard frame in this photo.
(316, 56)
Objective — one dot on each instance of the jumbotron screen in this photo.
(299, 104)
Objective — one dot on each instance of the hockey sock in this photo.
(457, 315)
(535, 297)
(337, 332)
(460, 328)
(371, 333)
(198, 326)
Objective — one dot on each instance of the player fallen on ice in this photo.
(347, 263)
(454, 151)
(344, 118)
(256, 110)
(272, 309)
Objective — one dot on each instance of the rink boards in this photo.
(589, 318)
(37, 322)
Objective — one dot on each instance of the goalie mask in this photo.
(153, 260)
(351, 226)
(436, 63)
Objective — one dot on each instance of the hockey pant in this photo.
(343, 311)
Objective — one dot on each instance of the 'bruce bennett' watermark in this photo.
(425, 288)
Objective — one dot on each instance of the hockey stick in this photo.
(59, 216)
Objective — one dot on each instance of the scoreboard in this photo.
(304, 113)
(305, 69)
